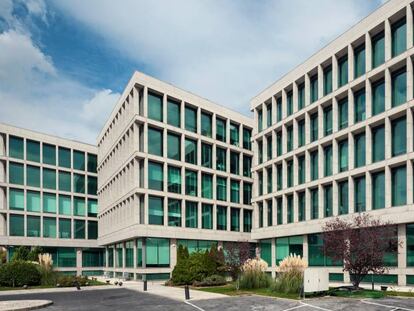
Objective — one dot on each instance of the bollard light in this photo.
(187, 292)
(145, 285)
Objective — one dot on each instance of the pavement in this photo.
(23, 305)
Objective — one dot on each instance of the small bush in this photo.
(70, 280)
(214, 280)
(253, 274)
(289, 282)
(18, 273)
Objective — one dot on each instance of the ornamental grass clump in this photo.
(254, 275)
(289, 279)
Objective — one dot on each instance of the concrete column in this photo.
(350, 107)
(335, 125)
(305, 248)
(320, 82)
(410, 130)
(228, 218)
(409, 21)
(335, 157)
(307, 90)
(387, 40)
(388, 185)
(274, 116)
(79, 261)
(135, 255)
(387, 92)
(402, 254)
(307, 205)
(145, 103)
(295, 97)
(273, 255)
(351, 192)
(368, 191)
(295, 206)
(368, 145)
(321, 202)
(350, 63)
(199, 215)
(335, 199)
(368, 99)
(410, 185)
(410, 89)
(173, 252)
(388, 137)
(334, 73)
(368, 52)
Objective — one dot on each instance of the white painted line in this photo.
(194, 306)
(316, 307)
(388, 306)
(293, 308)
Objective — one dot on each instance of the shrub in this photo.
(214, 280)
(253, 274)
(18, 273)
(290, 277)
(70, 280)
(20, 253)
(34, 253)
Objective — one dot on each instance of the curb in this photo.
(40, 305)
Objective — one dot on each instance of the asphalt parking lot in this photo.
(125, 299)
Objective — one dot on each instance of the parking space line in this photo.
(194, 306)
(294, 308)
(387, 306)
(316, 307)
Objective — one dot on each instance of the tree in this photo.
(236, 255)
(360, 243)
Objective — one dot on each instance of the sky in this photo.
(64, 63)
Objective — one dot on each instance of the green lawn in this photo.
(91, 283)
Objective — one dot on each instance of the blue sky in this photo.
(64, 63)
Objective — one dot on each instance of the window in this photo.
(206, 125)
(191, 214)
(269, 115)
(378, 143)
(234, 134)
(289, 209)
(155, 107)
(327, 80)
(235, 219)
(269, 147)
(206, 155)
(399, 37)
(260, 212)
(32, 151)
(33, 201)
(343, 200)
(92, 208)
(289, 171)
(279, 177)
(343, 71)
(314, 165)
(92, 185)
(260, 120)
(92, 230)
(234, 162)
(155, 211)
(65, 228)
(399, 87)
(301, 169)
(359, 150)
(378, 97)
(314, 127)
(343, 156)
(49, 154)
(247, 136)
(359, 61)
(78, 160)
(174, 179)
(174, 213)
(221, 130)
(207, 186)
(314, 203)
(301, 206)
(155, 176)
(269, 179)
(64, 157)
(266, 251)
(49, 227)
(314, 88)
(399, 136)
(260, 182)
(301, 133)
(289, 131)
(327, 160)
(247, 220)
(221, 159)
(49, 203)
(158, 252)
(190, 151)
(359, 194)
(378, 49)
(301, 96)
(279, 143)
(65, 181)
(173, 146)
(288, 246)
(79, 206)
(16, 226)
(247, 166)
(399, 186)
(207, 216)
(279, 215)
(16, 147)
(190, 182)
(80, 229)
(279, 109)
(378, 190)
(343, 113)
(260, 151)
(221, 188)
(16, 199)
(65, 205)
(79, 183)
(327, 120)
(289, 103)
(328, 201)
(173, 113)
(129, 254)
(16, 173)
(33, 176)
(234, 191)
(190, 119)
(92, 163)
(247, 193)
(221, 218)
(49, 178)
(359, 106)
(155, 142)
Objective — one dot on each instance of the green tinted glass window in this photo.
(378, 97)
(49, 178)
(266, 251)
(314, 88)
(49, 203)
(173, 113)
(221, 218)
(191, 151)
(289, 103)
(359, 106)
(206, 124)
(378, 190)
(359, 150)
(174, 213)
(33, 176)
(221, 191)
(378, 50)
(79, 229)
(65, 230)
(16, 199)
(399, 136)
(221, 164)
(314, 127)
(49, 154)
(343, 155)
(155, 176)
(343, 113)
(155, 107)
(207, 216)
(206, 155)
(260, 180)
(289, 131)
(92, 208)
(327, 120)
(92, 185)
(359, 194)
(247, 166)
(247, 193)
(269, 179)
(279, 144)
(343, 198)
(247, 220)
(158, 252)
(174, 179)
(32, 151)
(269, 149)
(269, 115)
(191, 214)
(342, 70)
(155, 141)
(33, 201)
(260, 151)
(64, 157)
(314, 165)
(279, 109)
(301, 171)
(207, 186)
(301, 206)
(92, 163)
(328, 201)
(234, 134)
(79, 206)
(359, 61)
(234, 163)
(49, 227)
(65, 181)
(301, 133)
(378, 143)
(399, 87)
(279, 211)
(235, 191)
(190, 119)
(221, 130)
(16, 173)
(327, 80)
(290, 212)
(191, 182)
(399, 186)
(16, 226)
(399, 37)
(314, 203)
(410, 246)
(155, 211)
(301, 96)
(235, 219)
(16, 147)
(65, 205)
(327, 151)
(173, 146)
(92, 230)
(79, 183)
(79, 160)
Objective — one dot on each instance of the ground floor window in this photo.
(93, 257)
(266, 251)
(196, 245)
(157, 252)
(287, 246)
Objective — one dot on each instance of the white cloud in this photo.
(99, 106)
(227, 51)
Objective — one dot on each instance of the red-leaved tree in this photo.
(235, 254)
(360, 242)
